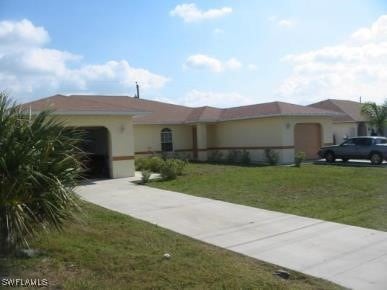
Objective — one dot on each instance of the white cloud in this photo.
(15, 34)
(252, 67)
(283, 23)
(29, 68)
(196, 98)
(190, 13)
(356, 67)
(286, 23)
(218, 31)
(205, 62)
(233, 64)
(202, 61)
(377, 31)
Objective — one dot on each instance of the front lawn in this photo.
(355, 196)
(108, 250)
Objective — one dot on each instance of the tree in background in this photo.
(376, 115)
(39, 167)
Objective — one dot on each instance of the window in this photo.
(380, 141)
(350, 142)
(166, 140)
(364, 142)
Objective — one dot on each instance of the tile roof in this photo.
(165, 113)
(351, 111)
(84, 104)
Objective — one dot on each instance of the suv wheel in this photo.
(330, 157)
(376, 159)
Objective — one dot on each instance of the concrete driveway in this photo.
(351, 163)
(350, 256)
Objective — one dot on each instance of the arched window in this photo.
(166, 140)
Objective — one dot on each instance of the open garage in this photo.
(96, 145)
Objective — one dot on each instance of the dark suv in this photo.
(368, 147)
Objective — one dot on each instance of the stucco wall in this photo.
(340, 130)
(253, 135)
(147, 138)
(275, 132)
(253, 132)
(121, 141)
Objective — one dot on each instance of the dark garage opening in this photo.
(96, 146)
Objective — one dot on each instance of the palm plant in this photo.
(39, 167)
(377, 115)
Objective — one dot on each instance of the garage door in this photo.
(307, 138)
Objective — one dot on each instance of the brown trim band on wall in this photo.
(147, 152)
(222, 148)
(159, 152)
(250, 148)
(120, 158)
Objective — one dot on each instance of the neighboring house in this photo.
(350, 123)
(122, 127)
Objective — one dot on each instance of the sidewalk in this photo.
(350, 256)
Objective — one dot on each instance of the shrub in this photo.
(272, 156)
(154, 164)
(298, 158)
(215, 156)
(145, 176)
(39, 167)
(141, 163)
(245, 158)
(169, 170)
(233, 156)
(165, 155)
(180, 165)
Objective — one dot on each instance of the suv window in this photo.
(380, 141)
(349, 142)
(363, 141)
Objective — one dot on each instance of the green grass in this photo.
(355, 196)
(108, 250)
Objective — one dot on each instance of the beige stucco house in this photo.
(198, 132)
(108, 124)
(122, 127)
(349, 123)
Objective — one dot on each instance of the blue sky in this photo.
(220, 53)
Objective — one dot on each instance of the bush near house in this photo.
(299, 158)
(215, 156)
(145, 176)
(39, 167)
(168, 169)
(245, 158)
(234, 156)
(271, 156)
